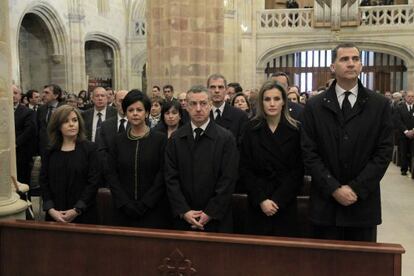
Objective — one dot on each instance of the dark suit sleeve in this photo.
(88, 194)
(218, 205)
(325, 181)
(254, 184)
(29, 128)
(178, 202)
(153, 195)
(44, 183)
(399, 120)
(243, 122)
(369, 178)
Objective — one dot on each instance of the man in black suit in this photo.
(95, 116)
(347, 146)
(51, 98)
(295, 109)
(25, 130)
(168, 91)
(404, 120)
(201, 169)
(33, 97)
(222, 113)
(112, 126)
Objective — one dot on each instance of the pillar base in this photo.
(12, 208)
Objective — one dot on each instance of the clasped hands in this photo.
(269, 207)
(63, 216)
(345, 195)
(197, 219)
(409, 134)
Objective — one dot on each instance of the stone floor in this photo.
(398, 214)
(397, 209)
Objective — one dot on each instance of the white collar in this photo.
(203, 126)
(340, 91)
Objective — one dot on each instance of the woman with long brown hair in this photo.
(70, 170)
(271, 164)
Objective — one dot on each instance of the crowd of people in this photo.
(174, 163)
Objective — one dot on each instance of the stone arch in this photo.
(59, 39)
(139, 10)
(377, 46)
(113, 43)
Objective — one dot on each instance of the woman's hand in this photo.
(69, 215)
(56, 215)
(269, 207)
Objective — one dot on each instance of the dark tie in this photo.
(198, 132)
(410, 109)
(346, 105)
(99, 122)
(35, 107)
(49, 113)
(121, 128)
(218, 116)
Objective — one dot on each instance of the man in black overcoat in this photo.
(201, 169)
(404, 123)
(222, 113)
(25, 130)
(347, 146)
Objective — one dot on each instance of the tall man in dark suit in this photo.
(222, 113)
(25, 130)
(51, 98)
(33, 97)
(201, 169)
(347, 146)
(404, 121)
(95, 116)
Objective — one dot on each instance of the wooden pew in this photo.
(49, 248)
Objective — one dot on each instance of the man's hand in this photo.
(56, 215)
(345, 195)
(269, 207)
(193, 217)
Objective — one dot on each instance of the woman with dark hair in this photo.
(70, 170)
(155, 112)
(135, 169)
(241, 102)
(171, 118)
(271, 164)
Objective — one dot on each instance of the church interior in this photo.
(139, 44)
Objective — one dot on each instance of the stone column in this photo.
(410, 77)
(184, 41)
(77, 72)
(10, 204)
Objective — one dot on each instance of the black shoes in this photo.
(403, 173)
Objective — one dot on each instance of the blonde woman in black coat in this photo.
(271, 164)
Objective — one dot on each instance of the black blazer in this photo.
(295, 110)
(403, 118)
(232, 119)
(202, 176)
(88, 119)
(43, 138)
(106, 134)
(271, 163)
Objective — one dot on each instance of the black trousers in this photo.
(406, 152)
(368, 234)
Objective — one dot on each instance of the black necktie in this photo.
(49, 113)
(218, 116)
(346, 105)
(198, 132)
(121, 128)
(99, 122)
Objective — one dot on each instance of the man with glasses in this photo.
(201, 169)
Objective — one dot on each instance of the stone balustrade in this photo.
(396, 15)
(273, 20)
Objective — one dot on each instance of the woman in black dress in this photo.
(135, 169)
(271, 164)
(70, 171)
(171, 118)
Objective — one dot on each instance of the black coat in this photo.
(43, 138)
(295, 110)
(232, 119)
(106, 134)
(136, 178)
(70, 179)
(202, 176)
(25, 130)
(87, 116)
(404, 120)
(271, 168)
(355, 151)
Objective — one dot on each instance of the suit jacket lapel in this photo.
(359, 104)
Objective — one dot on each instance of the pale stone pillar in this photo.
(184, 41)
(10, 204)
(77, 75)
